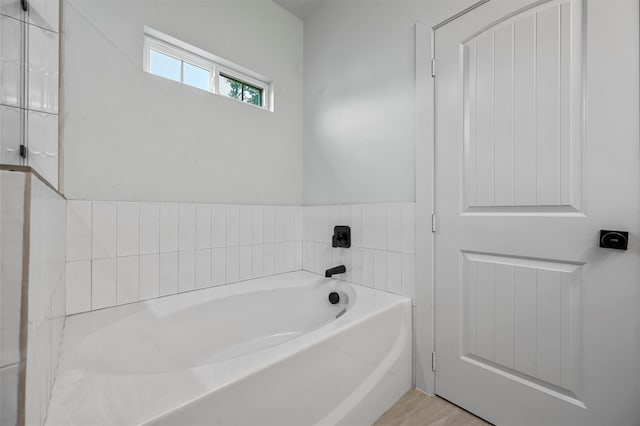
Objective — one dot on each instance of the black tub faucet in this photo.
(335, 270)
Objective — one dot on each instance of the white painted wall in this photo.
(359, 108)
(128, 135)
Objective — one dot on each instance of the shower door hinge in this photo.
(433, 361)
(433, 223)
(433, 67)
(23, 151)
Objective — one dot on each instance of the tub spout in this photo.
(335, 270)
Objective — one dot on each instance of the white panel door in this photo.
(536, 151)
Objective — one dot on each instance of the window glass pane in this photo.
(230, 87)
(164, 65)
(196, 76)
(252, 95)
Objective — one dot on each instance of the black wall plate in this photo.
(341, 236)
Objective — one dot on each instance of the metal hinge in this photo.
(433, 223)
(433, 361)
(433, 67)
(23, 151)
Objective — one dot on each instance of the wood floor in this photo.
(418, 409)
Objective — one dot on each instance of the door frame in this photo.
(424, 309)
(424, 303)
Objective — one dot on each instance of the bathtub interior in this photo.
(162, 337)
(348, 380)
(277, 339)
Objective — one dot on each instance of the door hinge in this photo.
(433, 223)
(433, 361)
(23, 151)
(433, 67)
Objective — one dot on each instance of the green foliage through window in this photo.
(240, 90)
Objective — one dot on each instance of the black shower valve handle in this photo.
(341, 236)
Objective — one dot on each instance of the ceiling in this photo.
(300, 8)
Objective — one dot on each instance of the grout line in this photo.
(28, 22)
(27, 109)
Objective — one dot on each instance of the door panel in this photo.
(536, 151)
(523, 110)
(521, 319)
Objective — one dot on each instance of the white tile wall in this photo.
(46, 287)
(44, 13)
(128, 233)
(219, 226)
(149, 228)
(9, 392)
(232, 225)
(149, 277)
(12, 190)
(103, 283)
(10, 134)
(78, 230)
(278, 265)
(47, 296)
(103, 226)
(37, 112)
(79, 286)
(186, 227)
(43, 70)
(244, 261)
(218, 266)
(122, 252)
(203, 268)
(10, 59)
(127, 279)
(168, 227)
(203, 226)
(186, 270)
(168, 273)
(11, 8)
(232, 264)
(382, 253)
(244, 232)
(43, 144)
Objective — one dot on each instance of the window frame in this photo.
(169, 46)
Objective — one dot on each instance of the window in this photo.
(175, 60)
(178, 70)
(240, 90)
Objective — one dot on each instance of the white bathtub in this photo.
(263, 352)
